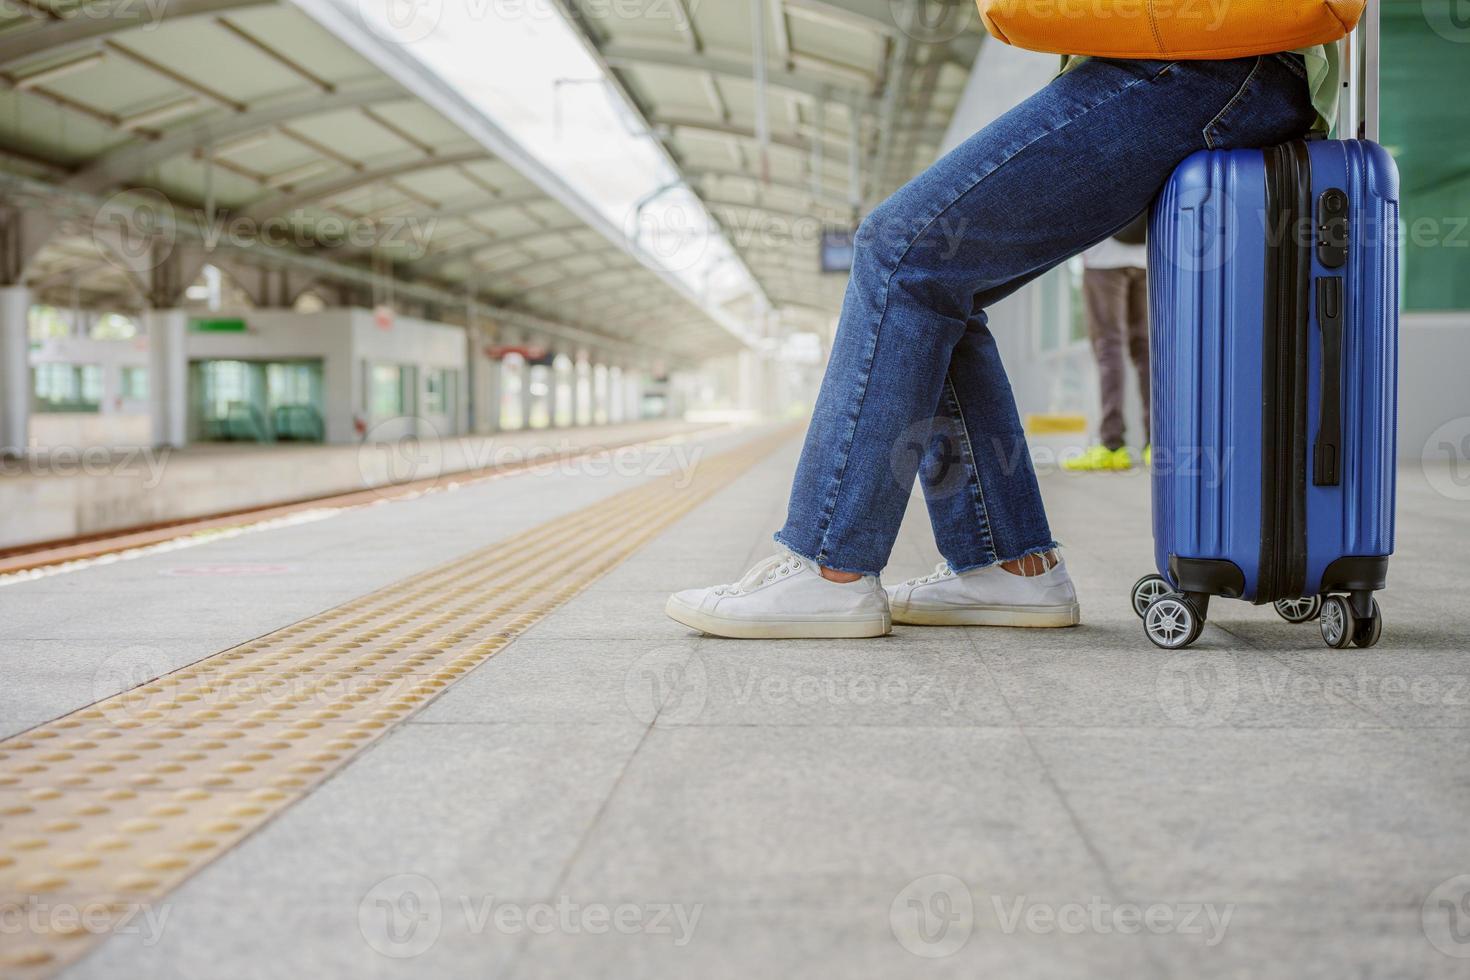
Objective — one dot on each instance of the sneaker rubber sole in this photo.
(1040, 617)
(848, 628)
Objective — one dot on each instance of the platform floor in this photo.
(610, 795)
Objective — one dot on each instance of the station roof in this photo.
(854, 100)
(252, 112)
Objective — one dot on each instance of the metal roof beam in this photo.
(85, 29)
(553, 289)
(800, 144)
(319, 190)
(437, 260)
(87, 207)
(629, 56)
(840, 201)
(796, 216)
(868, 15)
(135, 158)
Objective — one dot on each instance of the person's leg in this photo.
(1105, 292)
(1136, 323)
(984, 503)
(1063, 170)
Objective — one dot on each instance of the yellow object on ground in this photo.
(1100, 458)
(1050, 425)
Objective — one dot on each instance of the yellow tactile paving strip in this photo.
(106, 810)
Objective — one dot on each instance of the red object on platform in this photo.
(497, 352)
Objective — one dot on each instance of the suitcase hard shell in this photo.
(1274, 328)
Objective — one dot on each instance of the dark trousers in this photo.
(1117, 318)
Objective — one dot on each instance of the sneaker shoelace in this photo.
(778, 565)
(941, 571)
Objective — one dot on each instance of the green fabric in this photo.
(1321, 61)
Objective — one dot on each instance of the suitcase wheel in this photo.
(1302, 610)
(1370, 629)
(1171, 622)
(1146, 590)
(1341, 627)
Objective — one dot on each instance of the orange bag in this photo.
(1168, 29)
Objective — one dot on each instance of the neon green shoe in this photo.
(1100, 458)
(1148, 455)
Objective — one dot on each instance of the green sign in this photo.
(220, 325)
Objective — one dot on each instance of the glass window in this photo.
(1425, 68)
(66, 387)
(48, 323)
(231, 396)
(294, 400)
(114, 326)
(224, 383)
(133, 383)
(293, 383)
(436, 392)
(91, 375)
(385, 390)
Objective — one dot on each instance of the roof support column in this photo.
(553, 389)
(15, 370)
(168, 370)
(597, 375)
(485, 387)
(528, 400)
(576, 403)
(632, 394)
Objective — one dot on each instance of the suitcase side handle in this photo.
(1327, 454)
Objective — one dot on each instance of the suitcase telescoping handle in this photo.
(1358, 101)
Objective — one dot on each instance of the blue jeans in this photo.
(914, 384)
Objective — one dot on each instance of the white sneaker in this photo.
(989, 596)
(785, 597)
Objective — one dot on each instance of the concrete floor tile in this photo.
(567, 681)
(908, 678)
(1360, 820)
(810, 817)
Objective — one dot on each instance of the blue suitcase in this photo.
(1274, 324)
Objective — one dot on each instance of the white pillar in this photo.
(15, 369)
(553, 392)
(774, 384)
(168, 370)
(485, 386)
(574, 390)
(616, 403)
(527, 401)
(597, 388)
(633, 395)
(490, 393)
